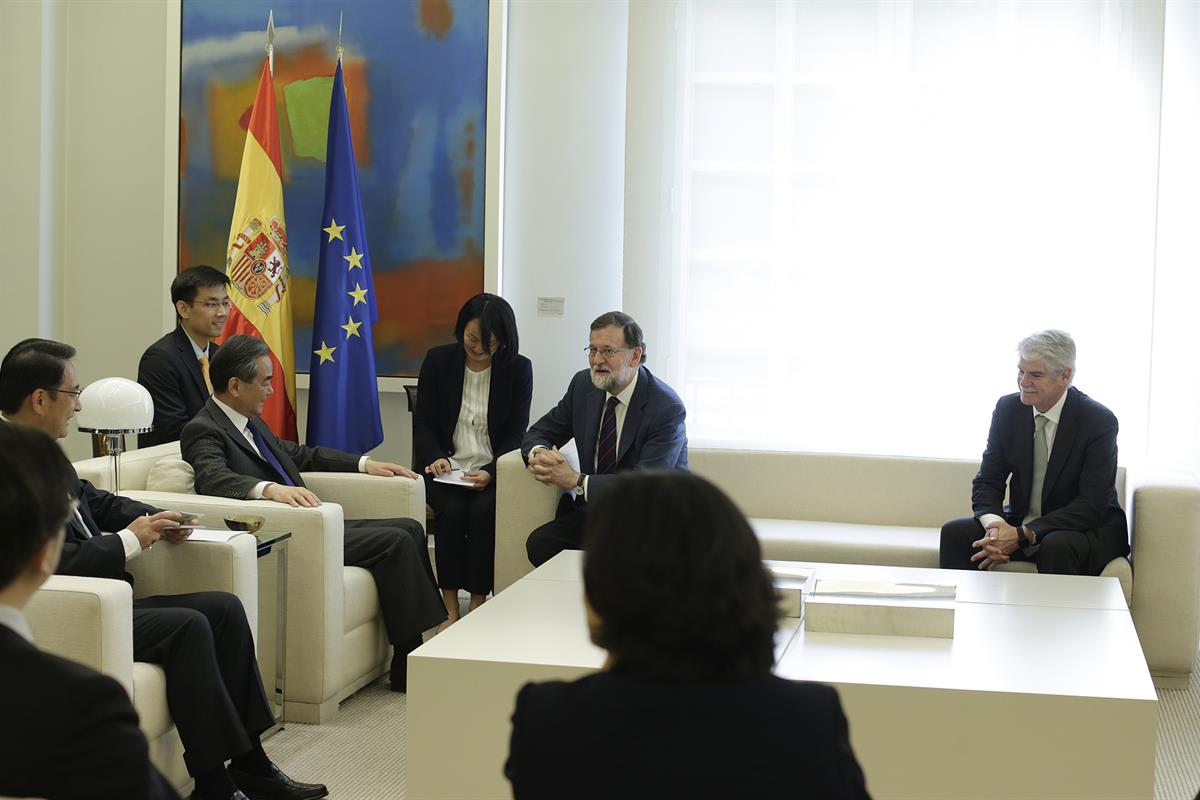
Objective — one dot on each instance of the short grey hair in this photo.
(237, 358)
(1056, 348)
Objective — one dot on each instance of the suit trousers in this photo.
(564, 532)
(465, 544)
(397, 555)
(204, 645)
(1058, 552)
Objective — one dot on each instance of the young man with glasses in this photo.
(620, 416)
(175, 368)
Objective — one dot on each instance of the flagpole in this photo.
(340, 49)
(271, 41)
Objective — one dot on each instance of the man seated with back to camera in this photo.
(236, 455)
(69, 732)
(202, 640)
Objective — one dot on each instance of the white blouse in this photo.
(472, 447)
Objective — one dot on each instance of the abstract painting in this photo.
(416, 84)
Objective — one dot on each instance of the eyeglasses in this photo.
(607, 352)
(73, 392)
(213, 305)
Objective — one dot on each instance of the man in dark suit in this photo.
(202, 640)
(1059, 447)
(53, 706)
(620, 416)
(175, 368)
(235, 455)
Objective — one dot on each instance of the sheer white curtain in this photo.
(842, 216)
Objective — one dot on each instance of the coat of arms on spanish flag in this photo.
(257, 257)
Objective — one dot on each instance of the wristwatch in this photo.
(578, 490)
(1022, 539)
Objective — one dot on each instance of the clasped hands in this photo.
(480, 478)
(300, 497)
(550, 467)
(998, 543)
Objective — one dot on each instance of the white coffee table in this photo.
(1043, 691)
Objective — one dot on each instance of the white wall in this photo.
(1174, 429)
(564, 178)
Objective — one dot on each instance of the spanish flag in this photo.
(257, 257)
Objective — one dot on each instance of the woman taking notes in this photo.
(472, 407)
(685, 705)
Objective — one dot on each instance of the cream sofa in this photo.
(336, 642)
(889, 510)
(90, 620)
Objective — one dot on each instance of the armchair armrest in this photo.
(89, 620)
(522, 504)
(201, 567)
(1166, 565)
(316, 598)
(370, 496)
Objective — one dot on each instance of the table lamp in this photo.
(112, 407)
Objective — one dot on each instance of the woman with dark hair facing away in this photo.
(472, 407)
(685, 705)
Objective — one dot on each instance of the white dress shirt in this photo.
(11, 617)
(472, 446)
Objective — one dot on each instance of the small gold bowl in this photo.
(245, 522)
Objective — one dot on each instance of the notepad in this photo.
(455, 478)
(212, 535)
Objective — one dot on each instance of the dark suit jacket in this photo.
(69, 732)
(1079, 492)
(439, 399)
(653, 436)
(614, 736)
(97, 556)
(227, 466)
(170, 372)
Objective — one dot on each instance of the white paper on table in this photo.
(916, 591)
(455, 478)
(213, 535)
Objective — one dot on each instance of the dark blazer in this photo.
(227, 466)
(613, 736)
(170, 372)
(1079, 491)
(439, 399)
(653, 436)
(69, 732)
(88, 553)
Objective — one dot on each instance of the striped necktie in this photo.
(606, 446)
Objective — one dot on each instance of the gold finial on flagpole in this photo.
(340, 49)
(271, 40)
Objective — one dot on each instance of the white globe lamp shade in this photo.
(115, 405)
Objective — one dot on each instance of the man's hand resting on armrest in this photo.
(387, 469)
(295, 496)
(149, 529)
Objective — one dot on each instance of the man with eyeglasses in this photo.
(202, 640)
(620, 416)
(175, 368)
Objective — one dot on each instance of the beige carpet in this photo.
(360, 753)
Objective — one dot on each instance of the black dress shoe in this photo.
(277, 786)
(237, 795)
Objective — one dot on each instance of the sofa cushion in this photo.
(171, 475)
(847, 543)
(361, 603)
(150, 699)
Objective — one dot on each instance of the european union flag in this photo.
(343, 399)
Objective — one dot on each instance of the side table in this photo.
(273, 572)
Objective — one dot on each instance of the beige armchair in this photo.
(90, 620)
(336, 642)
